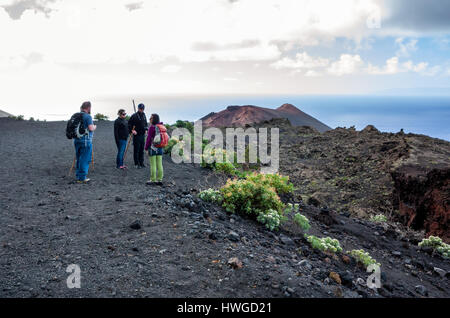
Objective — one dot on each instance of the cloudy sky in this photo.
(55, 52)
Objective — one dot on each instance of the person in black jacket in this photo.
(121, 137)
(138, 126)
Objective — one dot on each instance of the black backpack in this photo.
(75, 126)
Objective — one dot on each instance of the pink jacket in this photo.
(151, 136)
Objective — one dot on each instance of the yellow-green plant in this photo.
(363, 257)
(271, 219)
(227, 165)
(211, 195)
(277, 181)
(379, 218)
(302, 221)
(437, 244)
(326, 244)
(299, 219)
(246, 197)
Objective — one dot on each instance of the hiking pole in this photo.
(128, 144)
(129, 140)
(92, 158)
(73, 165)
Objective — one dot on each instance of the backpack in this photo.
(161, 139)
(75, 126)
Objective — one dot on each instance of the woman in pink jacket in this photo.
(155, 154)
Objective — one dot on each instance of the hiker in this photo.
(83, 145)
(121, 137)
(138, 127)
(157, 138)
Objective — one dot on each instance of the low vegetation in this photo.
(325, 244)
(255, 195)
(302, 221)
(436, 244)
(19, 118)
(211, 195)
(363, 257)
(379, 218)
(100, 117)
(271, 219)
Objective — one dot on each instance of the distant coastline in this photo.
(427, 115)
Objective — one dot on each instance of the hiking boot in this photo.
(83, 181)
(137, 167)
(150, 182)
(159, 183)
(143, 166)
(123, 167)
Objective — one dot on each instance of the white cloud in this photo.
(393, 66)
(312, 73)
(171, 69)
(230, 79)
(420, 67)
(99, 31)
(406, 48)
(301, 61)
(347, 64)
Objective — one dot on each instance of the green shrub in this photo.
(271, 219)
(247, 197)
(19, 118)
(279, 182)
(31, 119)
(211, 195)
(225, 167)
(325, 244)
(379, 218)
(172, 142)
(299, 219)
(100, 117)
(185, 124)
(253, 196)
(302, 221)
(437, 244)
(363, 257)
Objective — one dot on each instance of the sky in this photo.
(54, 54)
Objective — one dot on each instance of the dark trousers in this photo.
(138, 143)
(121, 146)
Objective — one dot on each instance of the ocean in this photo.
(421, 115)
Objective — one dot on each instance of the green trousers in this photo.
(156, 164)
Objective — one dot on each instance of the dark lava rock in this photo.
(427, 249)
(313, 201)
(286, 240)
(421, 290)
(234, 237)
(118, 199)
(326, 216)
(346, 278)
(397, 253)
(212, 236)
(136, 225)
